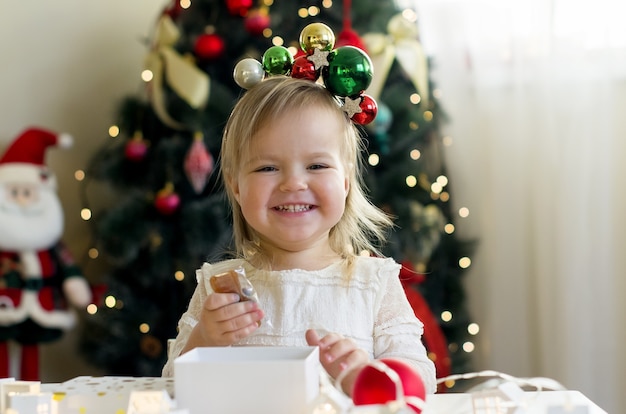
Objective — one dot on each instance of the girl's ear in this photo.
(349, 173)
(233, 184)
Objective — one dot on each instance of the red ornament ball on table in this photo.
(369, 109)
(209, 46)
(373, 386)
(303, 68)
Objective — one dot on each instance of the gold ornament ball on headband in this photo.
(317, 36)
(248, 72)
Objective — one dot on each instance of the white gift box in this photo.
(30, 403)
(10, 386)
(260, 380)
(103, 395)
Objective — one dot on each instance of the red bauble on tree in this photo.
(238, 7)
(167, 201)
(257, 21)
(136, 148)
(386, 380)
(209, 46)
(347, 36)
(173, 9)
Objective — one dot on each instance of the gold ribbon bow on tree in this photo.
(179, 73)
(401, 43)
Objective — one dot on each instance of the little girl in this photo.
(291, 167)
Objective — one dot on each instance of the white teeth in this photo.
(293, 208)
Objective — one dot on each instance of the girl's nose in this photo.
(293, 182)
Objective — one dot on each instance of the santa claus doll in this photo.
(39, 283)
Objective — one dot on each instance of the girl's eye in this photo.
(318, 166)
(266, 168)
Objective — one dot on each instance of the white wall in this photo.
(64, 65)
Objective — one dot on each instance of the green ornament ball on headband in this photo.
(277, 60)
(349, 71)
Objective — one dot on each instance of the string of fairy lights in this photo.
(436, 187)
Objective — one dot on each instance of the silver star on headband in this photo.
(319, 58)
(351, 106)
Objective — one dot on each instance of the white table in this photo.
(104, 395)
(461, 403)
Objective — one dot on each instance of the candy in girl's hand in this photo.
(234, 281)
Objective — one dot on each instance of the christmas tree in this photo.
(168, 212)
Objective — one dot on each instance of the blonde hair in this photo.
(362, 226)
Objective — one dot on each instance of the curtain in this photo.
(535, 91)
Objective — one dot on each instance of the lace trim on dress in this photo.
(189, 320)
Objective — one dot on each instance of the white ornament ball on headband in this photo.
(248, 72)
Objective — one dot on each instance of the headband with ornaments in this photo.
(346, 71)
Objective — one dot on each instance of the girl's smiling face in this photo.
(292, 184)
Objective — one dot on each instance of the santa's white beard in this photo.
(37, 226)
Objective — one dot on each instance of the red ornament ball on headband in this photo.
(303, 68)
(369, 109)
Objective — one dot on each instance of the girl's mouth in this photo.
(294, 208)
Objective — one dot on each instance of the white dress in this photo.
(371, 309)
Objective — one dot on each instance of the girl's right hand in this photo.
(225, 320)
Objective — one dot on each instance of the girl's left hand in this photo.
(338, 354)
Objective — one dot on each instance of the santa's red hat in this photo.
(24, 158)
